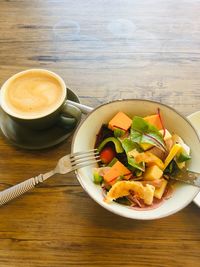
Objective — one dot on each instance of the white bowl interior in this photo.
(85, 136)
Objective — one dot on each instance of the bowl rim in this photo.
(133, 99)
(109, 208)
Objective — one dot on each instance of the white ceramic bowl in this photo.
(85, 136)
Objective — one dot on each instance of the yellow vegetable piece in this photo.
(158, 193)
(173, 152)
(153, 173)
(122, 188)
(148, 194)
(146, 146)
(150, 159)
(181, 165)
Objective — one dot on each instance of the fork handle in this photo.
(19, 189)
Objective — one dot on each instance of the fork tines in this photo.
(85, 158)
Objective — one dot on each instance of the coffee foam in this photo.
(33, 94)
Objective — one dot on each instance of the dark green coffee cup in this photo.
(36, 98)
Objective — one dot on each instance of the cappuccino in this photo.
(33, 94)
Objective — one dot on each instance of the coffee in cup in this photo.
(37, 98)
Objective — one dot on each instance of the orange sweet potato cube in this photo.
(120, 120)
(154, 120)
(115, 171)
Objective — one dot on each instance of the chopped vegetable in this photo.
(113, 161)
(119, 132)
(121, 121)
(153, 173)
(146, 146)
(143, 132)
(167, 134)
(173, 152)
(129, 146)
(172, 167)
(98, 179)
(150, 159)
(158, 193)
(183, 157)
(158, 153)
(107, 155)
(115, 141)
(118, 169)
(154, 120)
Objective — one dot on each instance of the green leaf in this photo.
(171, 168)
(133, 163)
(143, 132)
(136, 136)
(123, 201)
(129, 145)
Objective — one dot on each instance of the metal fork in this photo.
(186, 176)
(65, 165)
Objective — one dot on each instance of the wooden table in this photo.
(104, 50)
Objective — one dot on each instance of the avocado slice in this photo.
(115, 141)
(98, 179)
(183, 157)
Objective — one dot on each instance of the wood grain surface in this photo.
(104, 50)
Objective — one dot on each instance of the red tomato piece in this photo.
(107, 154)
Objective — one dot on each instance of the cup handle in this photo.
(84, 109)
(69, 116)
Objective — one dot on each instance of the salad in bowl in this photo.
(138, 157)
(141, 142)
